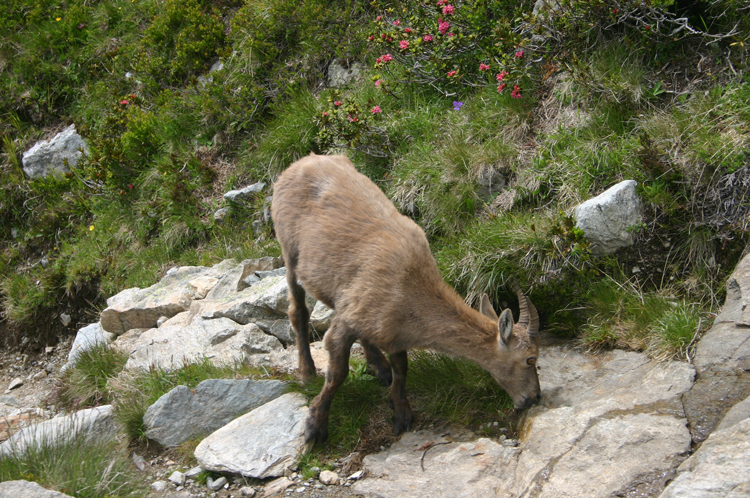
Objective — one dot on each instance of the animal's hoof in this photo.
(403, 424)
(386, 378)
(307, 375)
(315, 434)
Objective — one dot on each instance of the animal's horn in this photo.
(529, 317)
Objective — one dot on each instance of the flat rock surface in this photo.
(27, 489)
(183, 413)
(260, 444)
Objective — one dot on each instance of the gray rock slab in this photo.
(27, 489)
(55, 156)
(244, 194)
(720, 467)
(712, 396)
(94, 423)
(735, 415)
(221, 340)
(142, 308)
(735, 307)
(321, 317)
(183, 413)
(725, 348)
(607, 218)
(267, 299)
(260, 444)
(86, 338)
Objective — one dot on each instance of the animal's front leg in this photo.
(376, 359)
(338, 342)
(402, 416)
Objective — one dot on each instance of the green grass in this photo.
(77, 466)
(85, 384)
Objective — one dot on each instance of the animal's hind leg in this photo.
(338, 342)
(377, 360)
(402, 416)
(300, 316)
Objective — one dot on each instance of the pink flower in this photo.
(451, 35)
(441, 2)
(371, 37)
(325, 113)
(378, 83)
(443, 26)
(130, 185)
(427, 38)
(397, 23)
(451, 74)
(123, 102)
(408, 30)
(501, 88)
(448, 10)
(383, 36)
(516, 92)
(376, 110)
(484, 67)
(390, 39)
(386, 57)
(337, 103)
(379, 18)
(403, 44)
(502, 75)
(378, 61)
(519, 54)
(353, 119)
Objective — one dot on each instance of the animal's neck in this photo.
(452, 327)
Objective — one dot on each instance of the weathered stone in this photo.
(247, 491)
(720, 467)
(329, 477)
(266, 299)
(321, 317)
(65, 319)
(260, 444)
(244, 194)
(341, 73)
(736, 414)
(202, 285)
(217, 484)
(94, 423)
(220, 214)
(86, 338)
(54, 156)
(183, 413)
(27, 489)
(283, 331)
(14, 384)
(141, 308)
(9, 401)
(177, 478)
(239, 278)
(607, 218)
(222, 341)
(159, 486)
(277, 486)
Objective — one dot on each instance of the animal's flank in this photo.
(348, 246)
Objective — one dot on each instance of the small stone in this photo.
(277, 486)
(49, 350)
(328, 477)
(247, 491)
(40, 375)
(319, 486)
(140, 462)
(217, 484)
(14, 384)
(220, 214)
(9, 401)
(299, 490)
(65, 319)
(357, 475)
(159, 486)
(160, 321)
(178, 478)
(193, 473)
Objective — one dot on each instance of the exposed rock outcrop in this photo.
(608, 218)
(55, 156)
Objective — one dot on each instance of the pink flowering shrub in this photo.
(447, 44)
(345, 123)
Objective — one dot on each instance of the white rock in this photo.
(247, 491)
(607, 218)
(55, 156)
(159, 486)
(27, 489)
(321, 317)
(14, 384)
(177, 478)
(329, 477)
(260, 444)
(86, 338)
(217, 484)
(244, 193)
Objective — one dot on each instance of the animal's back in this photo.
(347, 243)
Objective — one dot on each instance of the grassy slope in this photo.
(165, 146)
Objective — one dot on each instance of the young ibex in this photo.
(348, 246)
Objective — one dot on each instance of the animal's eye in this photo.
(530, 360)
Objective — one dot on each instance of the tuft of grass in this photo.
(77, 466)
(134, 392)
(621, 315)
(85, 384)
(456, 390)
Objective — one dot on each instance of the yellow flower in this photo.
(58, 18)
(91, 227)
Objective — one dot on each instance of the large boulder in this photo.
(55, 156)
(261, 444)
(605, 422)
(173, 294)
(608, 218)
(183, 413)
(222, 341)
(94, 423)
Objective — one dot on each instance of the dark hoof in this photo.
(314, 433)
(386, 378)
(307, 375)
(403, 425)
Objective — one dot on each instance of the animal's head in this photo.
(514, 364)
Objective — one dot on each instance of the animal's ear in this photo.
(485, 308)
(505, 326)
